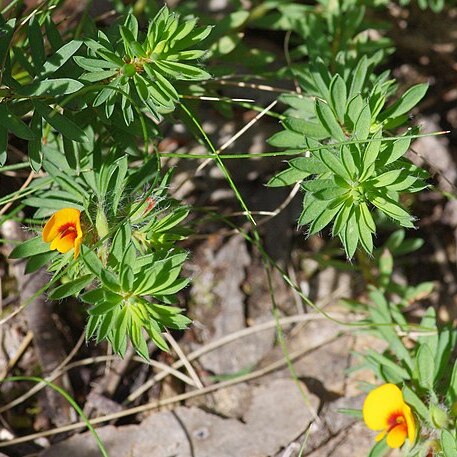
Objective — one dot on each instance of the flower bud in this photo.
(438, 416)
(101, 224)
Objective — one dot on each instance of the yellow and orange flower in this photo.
(385, 410)
(63, 231)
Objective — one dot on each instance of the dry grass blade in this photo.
(184, 359)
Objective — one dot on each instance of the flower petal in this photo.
(78, 242)
(380, 404)
(397, 436)
(61, 217)
(63, 243)
(410, 423)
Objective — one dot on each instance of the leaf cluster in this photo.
(110, 81)
(140, 70)
(351, 163)
(129, 270)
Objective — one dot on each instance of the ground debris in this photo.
(192, 432)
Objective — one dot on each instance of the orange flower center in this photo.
(68, 230)
(396, 419)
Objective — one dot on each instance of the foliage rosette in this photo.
(140, 71)
(352, 163)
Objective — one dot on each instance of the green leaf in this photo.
(428, 322)
(380, 449)
(364, 232)
(29, 248)
(342, 218)
(355, 106)
(385, 179)
(406, 102)
(171, 220)
(305, 128)
(14, 124)
(328, 121)
(60, 122)
(92, 324)
(287, 139)
(182, 71)
(53, 35)
(127, 279)
(110, 280)
(349, 158)
(416, 403)
(35, 262)
(34, 146)
(446, 343)
(448, 443)
(394, 150)
(103, 307)
(385, 361)
(350, 236)
(367, 217)
(93, 296)
(59, 58)
(323, 219)
(312, 208)
(96, 76)
(36, 43)
(51, 87)
(321, 78)
(380, 314)
(91, 64)
(104, 52)
(183, 30)
(107, 321)
(121, 239)
(120, 330)
(452, 390)
(161, 276)
(338, 96)
(71, 288)
(174, 288)
(153, 331)
(332, 192)
(392, 209)
(363, 123)
(165, 86)
(287, 177)
(91, 260)
(333, 163)
(311, 165)
(425, 366)
(359, 76)
(193, 38)
(119, 181)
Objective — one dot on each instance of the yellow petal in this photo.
(397, 436)
(50, 230)
(410, 423)
(61, 217)
(63, 244)
(380, 404)
(78, 241)
(380, 436)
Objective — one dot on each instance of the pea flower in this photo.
(63, 231)
(384, 410)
